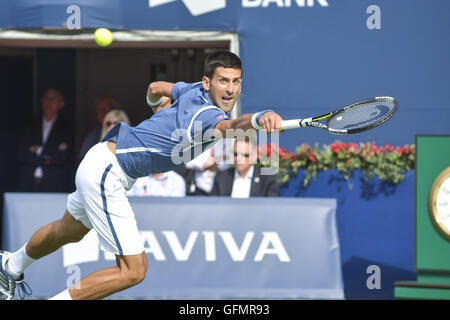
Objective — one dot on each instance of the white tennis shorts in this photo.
(100, 202)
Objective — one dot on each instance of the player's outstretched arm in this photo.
(266, 120)
(157, 91)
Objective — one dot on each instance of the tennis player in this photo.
(126, 153)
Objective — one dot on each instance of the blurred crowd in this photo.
(48, 161)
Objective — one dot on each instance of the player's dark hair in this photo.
(225, 59)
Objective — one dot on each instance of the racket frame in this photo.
(313, 121)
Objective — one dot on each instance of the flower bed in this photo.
(387, 162)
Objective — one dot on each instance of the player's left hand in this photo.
(270, 121)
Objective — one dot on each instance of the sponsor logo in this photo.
(266, 243)
(195, 7)
(199, 7)
(283, 3)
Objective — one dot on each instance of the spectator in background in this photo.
(111, 119)
(103, 104)
(199, 173)
(167, 184)
(45, 151)
(245, 179)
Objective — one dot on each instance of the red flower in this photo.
(337, 147)
(282, 153)
(267, 149)
(406, 149)
(291, 155)
(374, 148)
(353, 147)
(389, 147)
(312, 157)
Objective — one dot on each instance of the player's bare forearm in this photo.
(243, 122)
(225, 127)
(159, 89)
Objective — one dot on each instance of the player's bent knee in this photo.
(69, 230)
(134, 277)
(133, 269)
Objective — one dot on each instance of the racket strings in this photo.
(361, 116)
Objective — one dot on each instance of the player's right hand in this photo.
(270, 121)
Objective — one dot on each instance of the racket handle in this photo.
(291, 124)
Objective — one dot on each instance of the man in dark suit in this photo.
(45, 153)
(245, 179)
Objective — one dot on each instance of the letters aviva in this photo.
(266, 243)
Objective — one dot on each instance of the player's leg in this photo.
(102, 189)
(118, 233)
(45, 241)
(54, 235)
(130, 271)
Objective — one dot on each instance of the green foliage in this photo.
(386, 162)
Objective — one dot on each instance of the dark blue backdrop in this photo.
(301, 61)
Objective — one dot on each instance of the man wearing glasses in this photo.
(245, 179)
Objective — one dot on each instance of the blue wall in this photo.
(375, 223)
(304, 61)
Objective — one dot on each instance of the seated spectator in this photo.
(245, 179)
(199, 173)
(103, 104)
(111, 119)
(168, 184)
(45, 152)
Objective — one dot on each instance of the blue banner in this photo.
(198, 247)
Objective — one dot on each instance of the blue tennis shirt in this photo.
(170, 138)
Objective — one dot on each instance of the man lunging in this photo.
(126, 153)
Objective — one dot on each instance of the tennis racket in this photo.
(354, 118)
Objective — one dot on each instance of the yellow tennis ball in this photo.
(103, 37)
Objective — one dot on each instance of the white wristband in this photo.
(155, 104)
(256, 117)
(255, 125)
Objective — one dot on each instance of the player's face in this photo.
(224, 87)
